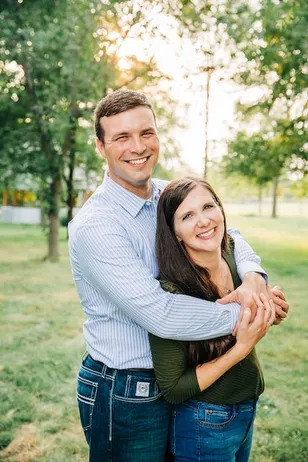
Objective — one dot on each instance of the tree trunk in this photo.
(275, 189)
(70, 185)
(207, 105)
(260, 199)
(5, 197)
(53, 234)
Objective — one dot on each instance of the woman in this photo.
(214, 384)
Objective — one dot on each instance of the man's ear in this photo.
(100, 147)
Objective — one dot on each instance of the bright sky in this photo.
(177, 58)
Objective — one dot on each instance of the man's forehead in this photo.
(135, 118)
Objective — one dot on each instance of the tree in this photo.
(203, 24)
(59, 59)
(272, 39)
(264, 156)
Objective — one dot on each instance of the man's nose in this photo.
(137, 145)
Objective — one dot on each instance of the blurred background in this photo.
(228, 81)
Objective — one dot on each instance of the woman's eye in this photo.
(187, 216)
(208, 206)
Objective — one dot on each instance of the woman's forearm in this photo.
(211, 371)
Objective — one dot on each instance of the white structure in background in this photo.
(84, 183)
(20, 215)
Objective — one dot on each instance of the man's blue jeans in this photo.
(122, 412)
(202, 431)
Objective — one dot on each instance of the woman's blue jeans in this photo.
(122, 412)
(202, 431)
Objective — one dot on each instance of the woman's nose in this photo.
(203, 220)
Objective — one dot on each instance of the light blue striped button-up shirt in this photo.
(112, 251)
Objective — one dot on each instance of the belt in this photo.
(138, 370)
(135, 369)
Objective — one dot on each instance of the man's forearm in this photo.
(247, 261)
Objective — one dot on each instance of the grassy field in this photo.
(41, 347)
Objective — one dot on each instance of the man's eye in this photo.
(147, 134)
(122, 138)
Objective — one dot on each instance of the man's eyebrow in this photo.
(116, 135)
(148, 129)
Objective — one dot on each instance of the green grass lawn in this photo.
(41, 347)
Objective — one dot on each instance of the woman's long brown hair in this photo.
(175, 265)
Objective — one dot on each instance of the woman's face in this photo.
(199, 222)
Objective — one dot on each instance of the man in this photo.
(112, 249)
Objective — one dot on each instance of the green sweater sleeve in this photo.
(176, 381)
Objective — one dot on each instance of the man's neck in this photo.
(143, 191)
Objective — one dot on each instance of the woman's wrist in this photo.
(241, 350)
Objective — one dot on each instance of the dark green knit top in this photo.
(179, 382)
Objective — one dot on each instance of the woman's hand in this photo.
(249, 334)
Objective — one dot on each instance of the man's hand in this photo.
(281, 305)
(253, 285)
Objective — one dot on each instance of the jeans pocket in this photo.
(216, 416)
(86, 396)
(137, 389)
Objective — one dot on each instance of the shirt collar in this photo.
(126, 199)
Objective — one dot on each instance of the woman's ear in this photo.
(178, 238)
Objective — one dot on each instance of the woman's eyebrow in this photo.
(212, 202)
(185, 213)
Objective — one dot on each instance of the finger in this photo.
(280, 312)
(273, 316)
(277, 320)
(260, 308)
(268, 309)
(245, 319)
(234, 332)
(281, 303)
(278, 293)
(230, 298)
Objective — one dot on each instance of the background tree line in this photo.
(58, 58)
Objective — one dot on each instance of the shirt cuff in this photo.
(251, 267)
(234, 312)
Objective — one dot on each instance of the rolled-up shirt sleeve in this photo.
(245, 258)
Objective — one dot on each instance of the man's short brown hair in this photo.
(115, 103)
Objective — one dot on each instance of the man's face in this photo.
(131, 147)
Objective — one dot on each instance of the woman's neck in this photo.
(212, 261)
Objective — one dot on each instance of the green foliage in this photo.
(300, 187)
(272, 37)
(57, 60)
(257, 157)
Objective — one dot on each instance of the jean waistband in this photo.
(242, 406)
(103, 369)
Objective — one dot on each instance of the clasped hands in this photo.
(255, 294)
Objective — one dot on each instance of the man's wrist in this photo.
(247, 267)
(254, 276)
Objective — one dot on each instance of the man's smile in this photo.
(137, 161)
